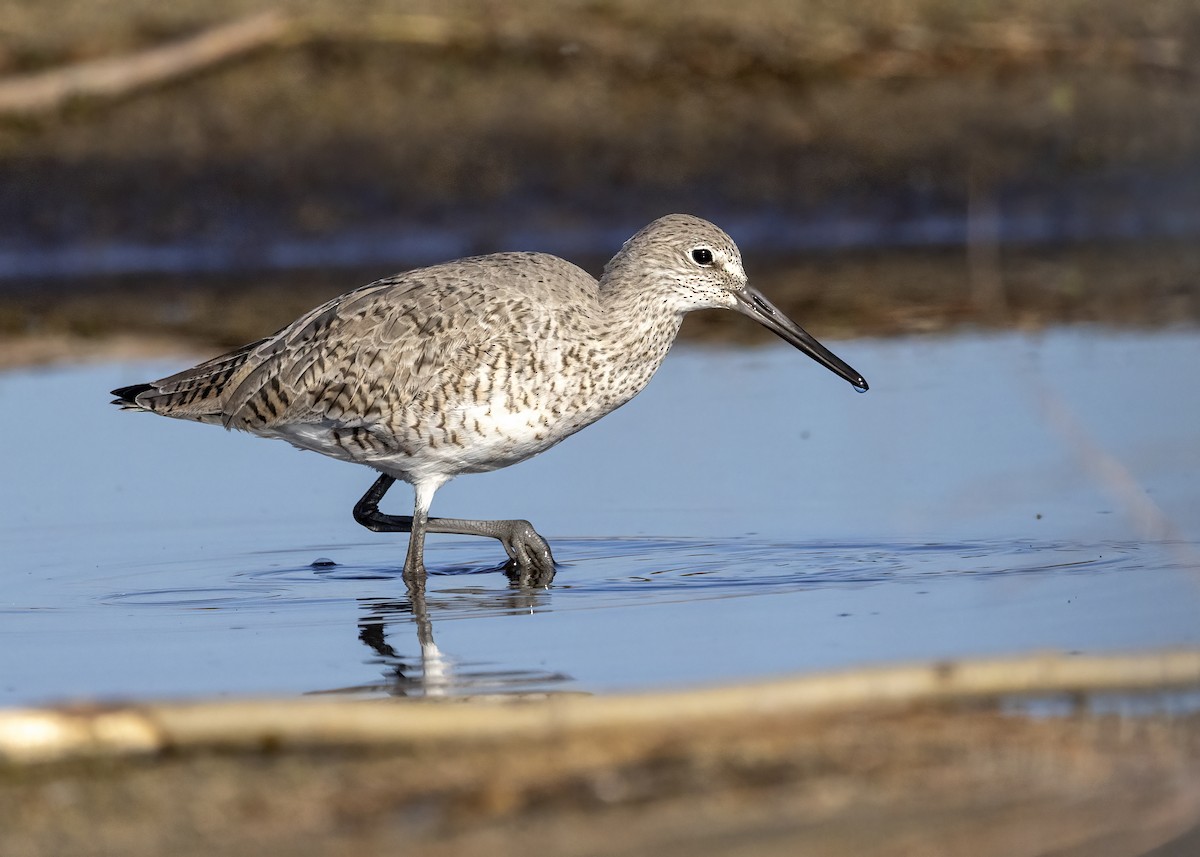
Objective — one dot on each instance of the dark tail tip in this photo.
(128, 395)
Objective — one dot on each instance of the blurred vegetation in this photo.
(473, 116)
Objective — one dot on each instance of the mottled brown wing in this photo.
(363, 359)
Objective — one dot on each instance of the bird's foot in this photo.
(530, 561)
(414, 573)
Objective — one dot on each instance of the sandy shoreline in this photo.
(764, 769)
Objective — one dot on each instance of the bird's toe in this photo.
(529, 552)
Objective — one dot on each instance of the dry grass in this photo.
(607, 106)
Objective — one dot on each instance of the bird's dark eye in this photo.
(702, 256)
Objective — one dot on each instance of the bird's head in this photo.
(688, 263)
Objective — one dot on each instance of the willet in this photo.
(472, 365)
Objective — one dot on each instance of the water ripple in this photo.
(194, 597)
(620, 570)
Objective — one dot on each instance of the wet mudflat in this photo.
(744, 518)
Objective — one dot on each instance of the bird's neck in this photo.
(637, 327)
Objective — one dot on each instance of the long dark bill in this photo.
(752, 303)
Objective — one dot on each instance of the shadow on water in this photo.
(433, 673)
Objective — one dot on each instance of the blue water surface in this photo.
(749, 515)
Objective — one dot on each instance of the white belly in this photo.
(474, 440)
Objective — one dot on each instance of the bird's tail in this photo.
(198, 393)
(126, 397)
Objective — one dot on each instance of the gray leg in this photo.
(414, 562)
(528, 550)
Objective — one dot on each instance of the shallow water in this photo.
(749, 515)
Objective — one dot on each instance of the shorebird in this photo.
(472, 365)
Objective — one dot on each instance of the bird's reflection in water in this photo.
(431, 673)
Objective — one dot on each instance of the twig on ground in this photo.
(117, 76)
